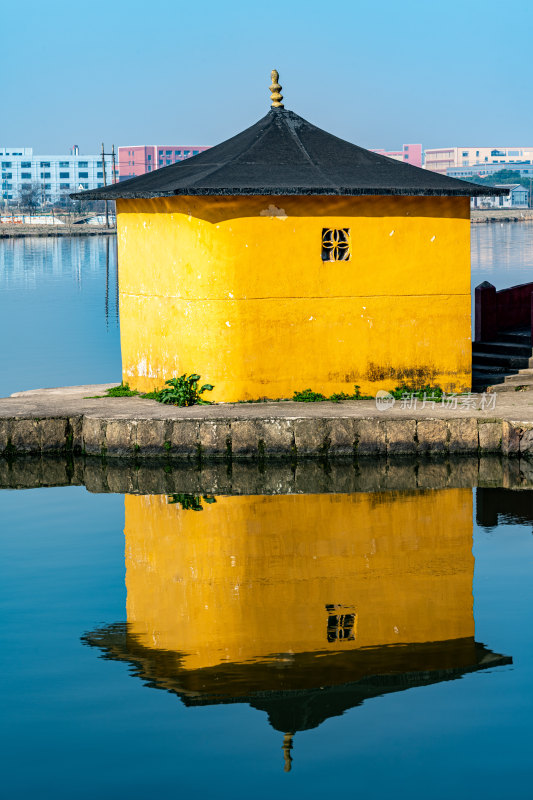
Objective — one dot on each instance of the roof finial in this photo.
(275, 89)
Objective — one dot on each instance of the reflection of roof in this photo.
(283, 154)
(299, 691)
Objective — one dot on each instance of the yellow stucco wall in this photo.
(250, 577)
(234, 288)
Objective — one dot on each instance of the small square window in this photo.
(335, 244)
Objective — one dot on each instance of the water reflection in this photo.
(502, 505)
(302, 606)
(502, 253)
(65, 290)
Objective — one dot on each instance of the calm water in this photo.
(502, 253)
(376, 643)
(381, 640)
(58, 312)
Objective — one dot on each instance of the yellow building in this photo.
(286, 258)
(301, 605)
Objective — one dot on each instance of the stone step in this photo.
(502, 348)
(523, 378)
(480, 383)
(493, 360)
(483, 377)
(522, 375)
(517, 337)
(485, 366)
(511, 387)
(489, 375)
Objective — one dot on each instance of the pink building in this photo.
(137, 159)
(410, 153)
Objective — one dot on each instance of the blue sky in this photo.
(377, 73)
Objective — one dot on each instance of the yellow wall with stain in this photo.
(250, 577)
(234, 288)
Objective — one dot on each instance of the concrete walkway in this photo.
(66, 420)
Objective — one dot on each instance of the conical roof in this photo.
(283, 154)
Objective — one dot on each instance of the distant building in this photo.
(55, 176)
(525, 169)
(518, 197)
(135, 160)
(410, 153)
(441, 159)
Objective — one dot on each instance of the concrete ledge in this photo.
(70, 421)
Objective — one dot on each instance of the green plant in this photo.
(264, 400)
(358, 396)
(337, 397)
(427, 391)
(191, 502)
(184, 391)
(308, 396)
(121, 391)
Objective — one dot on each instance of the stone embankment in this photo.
(68, 420)
(501, 215)
(8, 231)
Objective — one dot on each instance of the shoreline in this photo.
(69, 420)
(9, 231)
(490, 215)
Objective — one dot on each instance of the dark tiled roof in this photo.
(283, 154)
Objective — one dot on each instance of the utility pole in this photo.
(114, 173)
(105, 184)
(114, 164)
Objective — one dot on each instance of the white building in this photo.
(55, 176)
(518, 197)
(441, 159)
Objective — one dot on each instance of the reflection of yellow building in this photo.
(301, 605)
(284, 258)
(248, 578)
